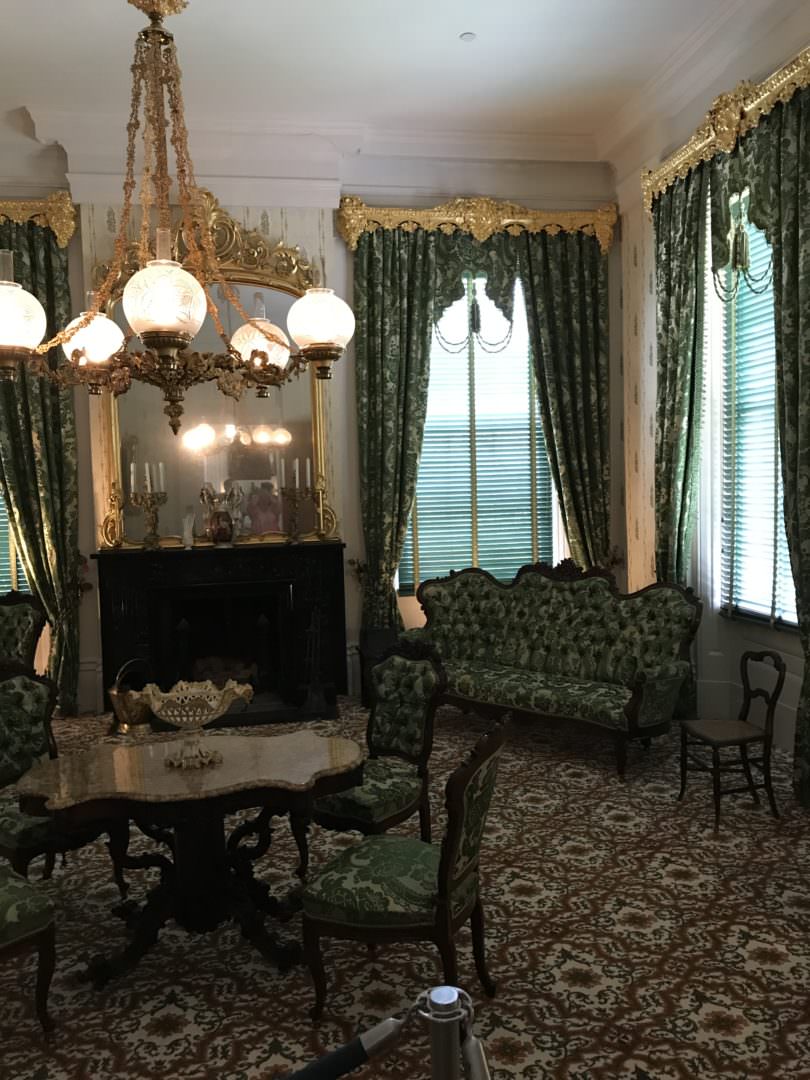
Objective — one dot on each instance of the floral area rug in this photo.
(627, 940)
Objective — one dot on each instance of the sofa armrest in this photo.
(656, 692)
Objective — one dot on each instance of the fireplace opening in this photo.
(230, 631)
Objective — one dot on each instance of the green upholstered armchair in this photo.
(22, 620)
(27, 923)
(405, 686)
(26, 705)
(395, 888)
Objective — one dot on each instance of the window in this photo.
(484, 492)
(12, 575)
(755, 566)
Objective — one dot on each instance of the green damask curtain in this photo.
(38, 471)
(678, 219)
(773, 162)
(565, 284)
(398, 280)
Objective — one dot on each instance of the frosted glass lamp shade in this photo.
(164, 298)
(249, 337)
(320, 318)
(22, 317)
(99, 340)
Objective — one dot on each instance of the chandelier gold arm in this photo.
(731, 115)
(479, 216)
(56, 212)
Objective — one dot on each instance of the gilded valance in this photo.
(481, 217)
(731, 116)
(56, 212)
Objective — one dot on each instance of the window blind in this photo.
(483, 494)
(12, 575)
(756, 574)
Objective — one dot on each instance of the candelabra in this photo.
(292, 497)
(149, 501)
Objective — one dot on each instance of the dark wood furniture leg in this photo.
(46, 950)
(314, 961)
(477, 927)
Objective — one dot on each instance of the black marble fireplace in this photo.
(272, 615)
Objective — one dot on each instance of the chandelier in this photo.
(165, 303)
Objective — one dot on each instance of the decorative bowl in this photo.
(190, 706)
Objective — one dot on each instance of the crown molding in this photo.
(690, 69)
(479, 146)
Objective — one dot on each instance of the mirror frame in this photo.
(244, 257)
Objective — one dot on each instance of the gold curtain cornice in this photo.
(730, 116)
(480, 216)
(57, 212)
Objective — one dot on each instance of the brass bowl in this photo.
(128, 711)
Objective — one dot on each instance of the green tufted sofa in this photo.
(562, 643)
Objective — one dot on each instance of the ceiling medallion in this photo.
(166, 301)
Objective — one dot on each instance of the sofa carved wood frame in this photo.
(567, 570)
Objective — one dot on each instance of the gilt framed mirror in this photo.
(264, 459)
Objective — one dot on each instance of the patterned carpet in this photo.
(625, 937)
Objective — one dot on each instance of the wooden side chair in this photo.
(396, 888)
(27, 923)
(26, 705)
(405, 685)
(22, 620)
(718, 735)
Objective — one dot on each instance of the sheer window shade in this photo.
(12, 575)
(484, 493)
(756, 574)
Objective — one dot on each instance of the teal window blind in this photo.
(12, 575)
(756, 574)
(483, 494)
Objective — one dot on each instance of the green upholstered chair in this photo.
(405, 688)
(27, 923)
(22, 620)
(395, 888)
(699, 736)
(26, 706)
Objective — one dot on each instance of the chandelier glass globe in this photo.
(163, 298)
(97, 341)
(249, 337)
(320, 318)
(22, 317)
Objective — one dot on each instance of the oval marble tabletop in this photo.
(292, 762)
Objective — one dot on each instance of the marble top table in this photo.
(204, 880)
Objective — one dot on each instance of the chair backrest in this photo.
(468, 796)
(770, 697)
(406, 686)
(22, 620)
(27, 702)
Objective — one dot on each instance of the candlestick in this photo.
(296, 478)
(283, 472)
(132, 476)
(309, 473)
(161, 477)
(149, 502)
(147, 478)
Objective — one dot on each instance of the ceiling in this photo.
(537, 67)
